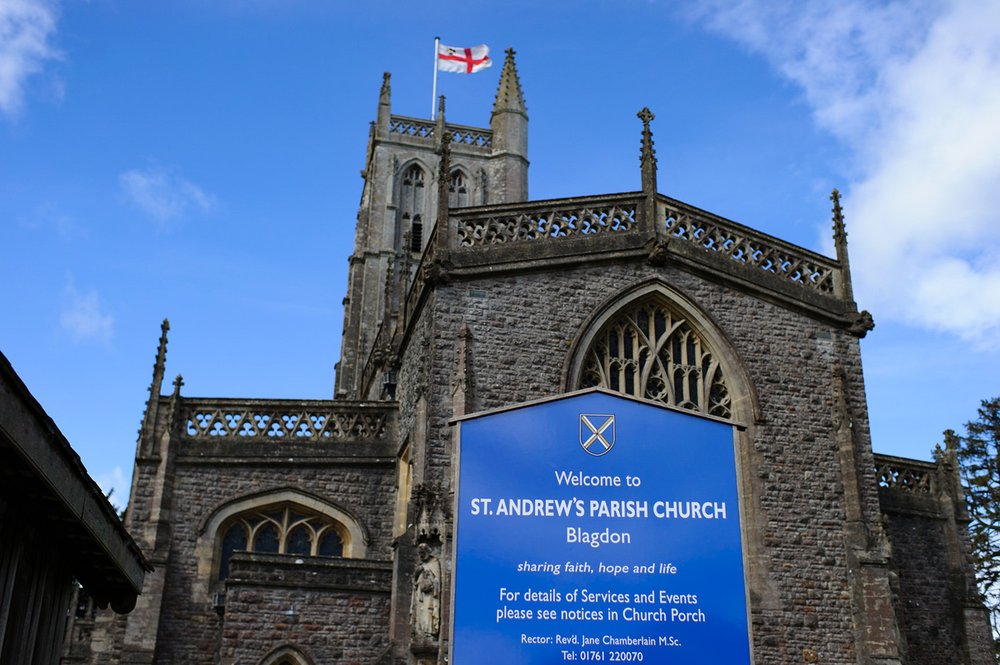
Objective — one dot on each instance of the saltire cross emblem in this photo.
(597, 433)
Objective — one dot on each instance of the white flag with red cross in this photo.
(460, 60)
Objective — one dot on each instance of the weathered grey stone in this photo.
(493, 300)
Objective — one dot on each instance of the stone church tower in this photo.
(289, 532)
(400, 202)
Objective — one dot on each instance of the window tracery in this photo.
(650, 352)
(458, 191)
(286, 529)
(411, 206)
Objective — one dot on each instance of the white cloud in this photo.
(83, 315)
(50, 216)
(26, 30)
(913, 88)
(113, 482)
(162, 195)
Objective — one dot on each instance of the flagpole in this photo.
(434, 88)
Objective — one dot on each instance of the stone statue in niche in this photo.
(425, 613)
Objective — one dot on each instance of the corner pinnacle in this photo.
(839, 229)
(444, 173)
(161, 359)
(840, 245)
(386, 91)
(647, 155)
(509, 96)
(440, 124)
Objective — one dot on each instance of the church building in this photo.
(295, 532)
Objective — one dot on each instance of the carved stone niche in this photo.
(431, 511)
(431, 515)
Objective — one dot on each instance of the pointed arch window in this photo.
(411, 206)
(458, 190)
(649, 351)
(235, 539)
(283, 529)
(286, 655)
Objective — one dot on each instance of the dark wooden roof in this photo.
(43, 478)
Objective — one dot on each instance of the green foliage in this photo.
(979, 462)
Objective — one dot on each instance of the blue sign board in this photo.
(596, 527)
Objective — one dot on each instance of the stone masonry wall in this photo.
(523, 326)
(925, 607)
(380, 234)
(189, 627)
(415, 372)
(331, 611)
(330, 628)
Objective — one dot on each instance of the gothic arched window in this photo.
(411, 206)
(286, 655)
(458, 191)
(648, 351)
(235, 539)
(283, 529)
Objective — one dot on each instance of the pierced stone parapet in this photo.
(751, 248)
(541, 222)
(906, 475)
(471, 136)
(679, 223)
(425, 129)
(292, 421)
(479, 237)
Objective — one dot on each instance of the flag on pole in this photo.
(463, 60)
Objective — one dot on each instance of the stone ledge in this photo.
(330, 573)
(280, 451)
(898, 502)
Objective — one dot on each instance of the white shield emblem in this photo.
(597, 433)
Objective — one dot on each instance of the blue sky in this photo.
(199, 161)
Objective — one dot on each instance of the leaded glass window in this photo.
(411, 206)
(649, 351)
(330, 543)
(458, 191)
(266, 540)
(279, 530)
(234, 539)
(299, 541)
